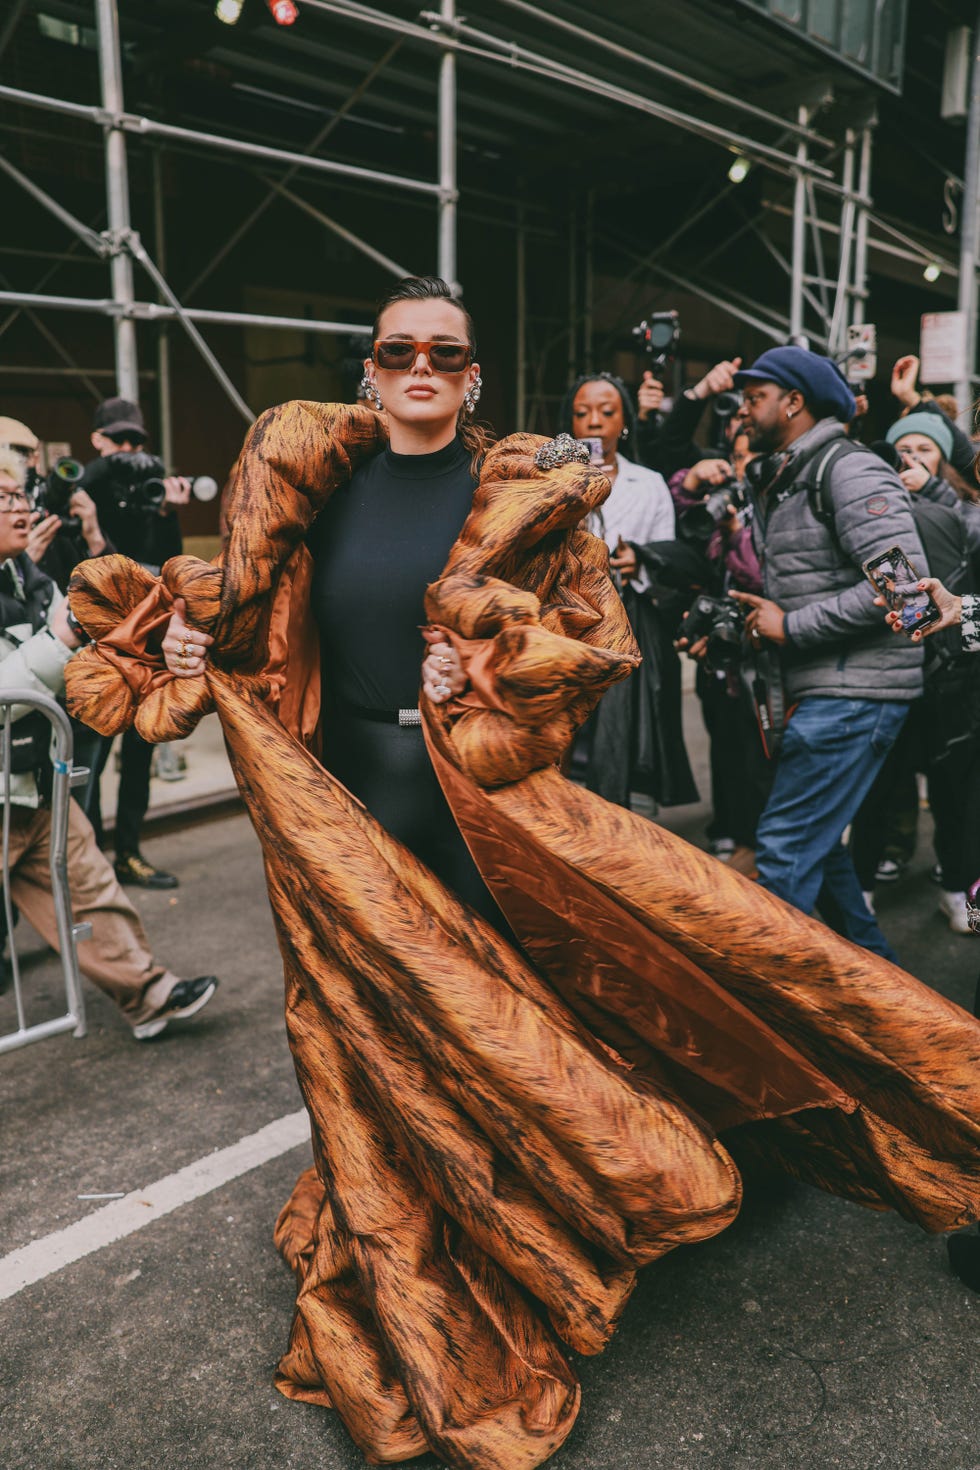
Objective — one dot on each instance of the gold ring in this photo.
(181, 661)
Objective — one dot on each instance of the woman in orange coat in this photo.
(498, 1144)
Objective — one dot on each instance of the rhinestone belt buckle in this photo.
(409, 717)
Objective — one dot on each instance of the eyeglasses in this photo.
(397, 356)
(14, 500)
(127, 437)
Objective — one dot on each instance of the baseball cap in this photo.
(819, 380)
(16, 435)
(119, 416)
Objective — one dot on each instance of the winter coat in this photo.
(837, 643)
(31, 655)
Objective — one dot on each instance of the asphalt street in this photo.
(811, 1334)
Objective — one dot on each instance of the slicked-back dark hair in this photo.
(626, 445)
(476, 436)
(423, 288)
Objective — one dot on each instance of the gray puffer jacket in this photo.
(838, 644)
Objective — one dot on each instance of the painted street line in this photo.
(142, 1207)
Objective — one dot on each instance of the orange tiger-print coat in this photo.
(499, 1146)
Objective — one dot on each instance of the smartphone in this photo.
(895, 579)
(596, 455)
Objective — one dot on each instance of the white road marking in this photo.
(53, 1252)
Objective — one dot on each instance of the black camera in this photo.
(659, 336)
(698, 522)
(135, 482)
(51, 493)
(724, 407)
(722, 622)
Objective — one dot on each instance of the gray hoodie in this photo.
(838, 645)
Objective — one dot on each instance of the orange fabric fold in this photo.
(502, 1138)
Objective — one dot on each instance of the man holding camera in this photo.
(37, 638)
(822, 507)
(60, 538)
(148, 531)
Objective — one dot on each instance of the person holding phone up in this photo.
(823, 506)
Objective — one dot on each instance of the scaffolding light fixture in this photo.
(932, 271)
(739, 168)
(229, 11)
(284, 12)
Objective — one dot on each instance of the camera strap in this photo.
(769, 699)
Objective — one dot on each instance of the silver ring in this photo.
(446, 663)
(563, 449)
(443, 689)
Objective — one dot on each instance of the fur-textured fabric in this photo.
(497, 1147)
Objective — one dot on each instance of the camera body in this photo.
(698, 522)
(659, 335)
(51, 493)
(135, 482)
(722, 622)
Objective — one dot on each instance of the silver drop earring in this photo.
(369, 389)
(472, 395)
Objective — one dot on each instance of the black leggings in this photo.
(388, 768)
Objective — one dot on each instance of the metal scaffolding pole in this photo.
(385, 261)
(147, 128)
(521, 332)
(838, 324)
(860, 288)
(799, 233)
(117, 196)
(970, 230)
(448, 193)
(164, 397)
(150, 311)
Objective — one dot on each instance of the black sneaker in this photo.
(132, 868)
(186, 999)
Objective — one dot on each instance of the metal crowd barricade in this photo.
(69, 933)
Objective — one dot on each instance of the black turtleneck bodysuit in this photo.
(376, 546)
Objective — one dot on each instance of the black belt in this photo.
(404, 717)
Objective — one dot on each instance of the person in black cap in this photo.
(150, 537)
(822, 507)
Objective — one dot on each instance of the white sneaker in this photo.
(953, 905)
(869, 899)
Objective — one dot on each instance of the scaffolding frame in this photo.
(820, 306)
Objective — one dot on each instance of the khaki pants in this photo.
(117, 957)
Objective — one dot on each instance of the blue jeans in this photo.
(831, 752)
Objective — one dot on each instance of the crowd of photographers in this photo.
(749, 528)
(789, 534)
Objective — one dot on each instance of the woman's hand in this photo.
(442, 669)
(623, 559)
(185, 649)
(41, 535)
(948, 603)
(905, 374)
(914, 476)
